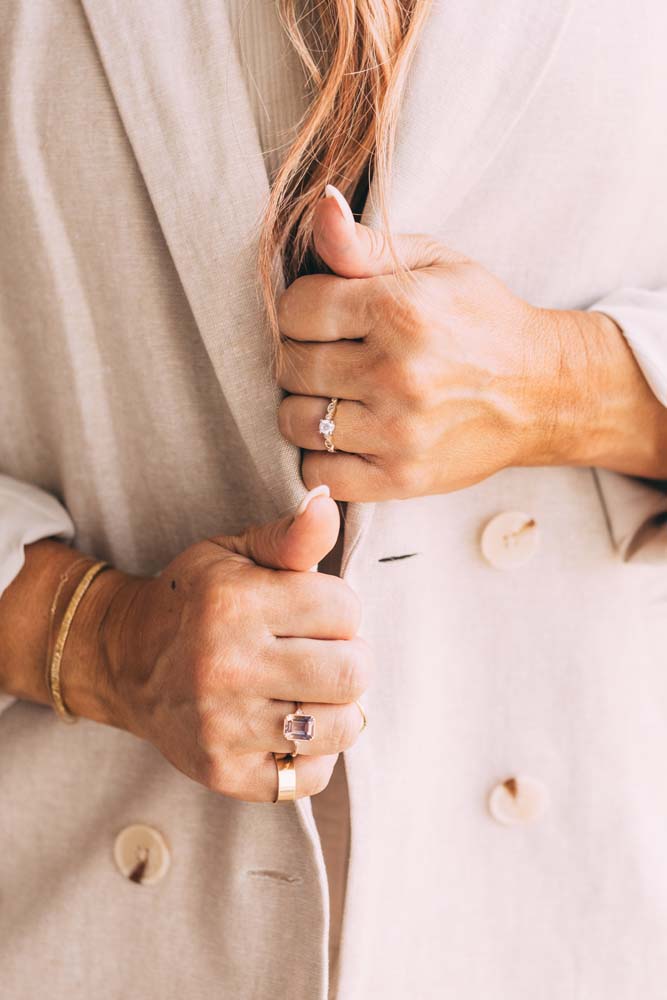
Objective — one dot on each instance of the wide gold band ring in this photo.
(286, 778)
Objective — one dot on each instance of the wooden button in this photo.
(518, 800)
(141, 854)
(510, 540)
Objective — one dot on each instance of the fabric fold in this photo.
(637, 508)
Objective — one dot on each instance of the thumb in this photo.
(355, 251)
(295, 543)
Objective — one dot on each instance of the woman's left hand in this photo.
(444, 376)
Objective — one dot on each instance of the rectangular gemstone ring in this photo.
(298, 726)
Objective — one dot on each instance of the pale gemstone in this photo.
(327, 426)
(299, 727)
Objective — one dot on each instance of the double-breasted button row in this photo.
(142, 855)
(510, 540)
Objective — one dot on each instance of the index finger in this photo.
(310, 605)
(323, 307)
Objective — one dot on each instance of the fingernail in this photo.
(319, 491)
(332, 192)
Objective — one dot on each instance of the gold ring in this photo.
(327, 425)
(363, 716)
(286, 778)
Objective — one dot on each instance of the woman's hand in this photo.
(206, 660)
(444, 376)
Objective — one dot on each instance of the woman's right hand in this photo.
(205, 660)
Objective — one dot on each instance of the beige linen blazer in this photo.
(508, 801)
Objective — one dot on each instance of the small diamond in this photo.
(327, 426)
(299, 727)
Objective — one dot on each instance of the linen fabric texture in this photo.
(139, 415)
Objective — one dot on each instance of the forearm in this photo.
(605, 413)
(25, 613)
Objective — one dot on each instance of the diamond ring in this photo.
(298, 726)
(327, 425)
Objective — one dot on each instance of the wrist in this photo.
(600, 409)
(554, 394)
(575, 387)
(93, 659)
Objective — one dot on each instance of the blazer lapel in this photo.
(173, 71)
(180, 92)
(476, 68)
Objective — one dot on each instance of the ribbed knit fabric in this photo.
(273, 73)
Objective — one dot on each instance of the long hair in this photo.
(356, 55)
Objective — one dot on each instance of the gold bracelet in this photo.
(64, 577)
(54, 667)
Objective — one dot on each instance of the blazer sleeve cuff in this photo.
(27, 514)
(636, 508)
(642, 317)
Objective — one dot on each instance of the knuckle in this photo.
(406, 479)
(211, 594)
(332, 291)
(285, 306)
(404, 432)
(352, 677)
(343, 731)
(351, 608)
(414, 381)
(340, 601)
(235, 601)
(365, 663)
(346, 679)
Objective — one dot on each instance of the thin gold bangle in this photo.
(64, 577)
(54, 668)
